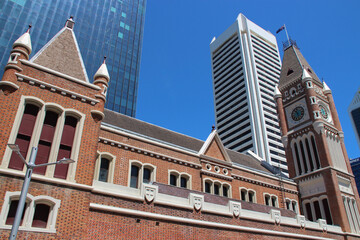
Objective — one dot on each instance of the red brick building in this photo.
(134, 180)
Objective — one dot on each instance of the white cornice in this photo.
(210, 224)
(149, 153)
(56, 73)
(63, 91)
(47, 179)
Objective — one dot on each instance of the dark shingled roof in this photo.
(165, 135)
(294, 60)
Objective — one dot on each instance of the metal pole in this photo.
(29, 169)
(287, 35)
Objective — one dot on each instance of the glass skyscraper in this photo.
(112, 28)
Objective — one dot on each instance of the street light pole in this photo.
(29, 169)
(20, 208)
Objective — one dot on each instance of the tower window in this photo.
(290, 71)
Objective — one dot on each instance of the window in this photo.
(305, 154)
(54, 130)
(291, 205)
(39, 213)
(179, 179)
(352, 213)
(317, 208)
(104, 168)
(138, 170)
(217, 188)
(247, 195)
(271, 200)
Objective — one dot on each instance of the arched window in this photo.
(271, 200)
(140, 173)
(179, 179)
(247, 195)
(217, 188)
(317, 208)
(39, 213)
(24, 135)
(54, 130)
(104, 168)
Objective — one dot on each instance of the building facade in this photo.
(109, 28)
(129, 179)
(314, 142)
(246, 68)
(354, 113)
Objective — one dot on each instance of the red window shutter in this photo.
(41, 216)
(24, 135)
(46, 138)
(42, 157)
(66, 144)
(62, 169)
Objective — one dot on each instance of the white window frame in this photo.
(112, 159)
(247, 196)
(43, 107)
(30, 210)
(141, 172)
(222, 184)
(270, 200)
(179, 175)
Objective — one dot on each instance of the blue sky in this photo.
(175, 87)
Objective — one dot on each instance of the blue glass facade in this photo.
(355, 166)
(111, 28)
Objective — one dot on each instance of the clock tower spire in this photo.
(315, 150)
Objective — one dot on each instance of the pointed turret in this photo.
(305, 75)
(326, 88)
(24, 42)
(62, 54)
(294, 67)
(102, 72)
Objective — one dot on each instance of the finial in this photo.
(28, 31)
(104, 59)
(70, 22)
(212, 128)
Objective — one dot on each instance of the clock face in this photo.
(324, 113)
(298, 113)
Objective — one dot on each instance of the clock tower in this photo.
(314, 143)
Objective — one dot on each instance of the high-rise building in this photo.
(111, 28)
(354, 112)
(246, 68)
(355, 166)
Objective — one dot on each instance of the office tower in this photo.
(355, 166)
(246, 68)
(315, 149)
(111, 28)
(354, 112)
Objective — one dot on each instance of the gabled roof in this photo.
(213, 147)
(62, 54)
(293, 65)
(160, 134)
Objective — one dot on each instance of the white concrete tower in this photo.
(246, 68)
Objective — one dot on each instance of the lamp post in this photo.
(29, 169)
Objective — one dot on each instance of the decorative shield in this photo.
(236, 209)
(197, 203)
(301, 221)
(149, 193)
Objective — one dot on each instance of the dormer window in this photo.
(290, 71)
(309, 70)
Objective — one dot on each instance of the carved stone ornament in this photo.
(197, 201)
(276, 216)
(301, 220)
(149, 193)
(322, 224)
(235, 208)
